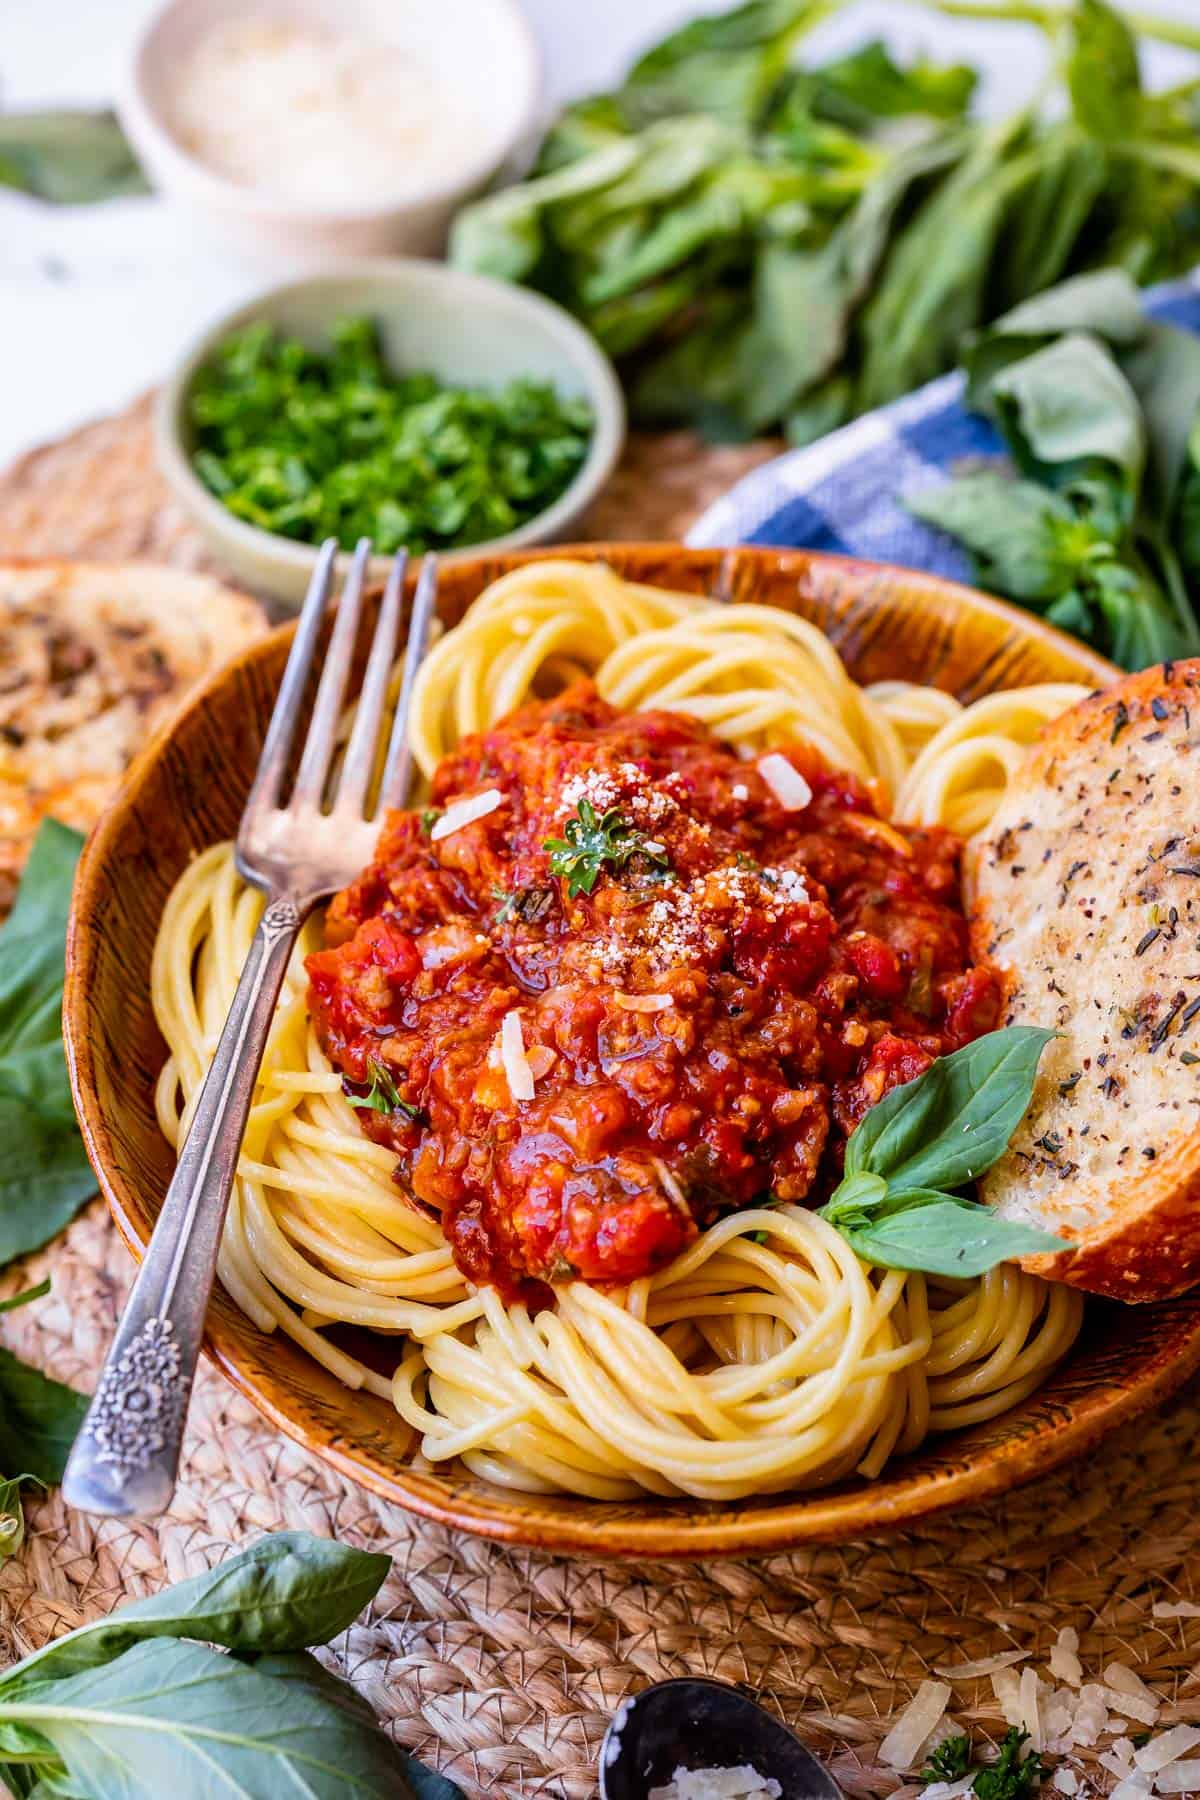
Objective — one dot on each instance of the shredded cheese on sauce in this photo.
(787, 784)
(512, 1055)
(465, 812)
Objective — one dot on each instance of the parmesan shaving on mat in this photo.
(1064, 1657)
(645, 1003)
(512, 1055)
(920, 1717)
(1027, 1699)
(1066, 1781)
(465, 812)
(1175, 1609)
(1180, 1778)
(949, 1790)
(986, 1665)
(1167, 1747)
(787, 784)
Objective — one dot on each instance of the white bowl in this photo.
(463, 329)
(485, 52)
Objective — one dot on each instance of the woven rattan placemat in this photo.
(501, 1667)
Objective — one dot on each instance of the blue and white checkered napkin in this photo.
(845, 492)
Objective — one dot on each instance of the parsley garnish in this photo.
(949, 1761)
(383, 1096)
(1010, 1777)
(589, 841)
(429, 819)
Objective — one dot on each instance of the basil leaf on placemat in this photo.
(45, 1176)
(39, 1419)
(895, 1205)
(68, 158)
(286, 1592)
(178, 1719)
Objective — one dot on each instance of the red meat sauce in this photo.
(810, 960)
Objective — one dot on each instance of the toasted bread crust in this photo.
(1086, 892)
(93, 658)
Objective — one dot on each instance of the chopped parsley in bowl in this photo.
(313, 443)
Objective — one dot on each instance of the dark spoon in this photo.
(695, 1724)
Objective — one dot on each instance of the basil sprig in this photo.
(896, 1205)
(127, 1696)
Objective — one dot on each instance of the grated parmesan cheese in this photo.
(512, 1055)
(465, 812)
(920, 1717)
(742, 1783)
(642, 1003)
(1064, 1657)
(786, 783)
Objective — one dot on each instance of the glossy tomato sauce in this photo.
(703, 1029)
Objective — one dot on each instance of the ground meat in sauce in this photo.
(811, 961)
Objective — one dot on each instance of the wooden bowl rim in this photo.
(777, 1523)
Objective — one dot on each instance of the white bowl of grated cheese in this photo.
(330, 127)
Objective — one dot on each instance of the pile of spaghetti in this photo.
(763, 1354)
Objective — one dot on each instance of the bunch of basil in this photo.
(1100, 408)
(139, 1704)
(44, 1175)
(764, 244)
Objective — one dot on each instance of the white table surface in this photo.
(95, 302)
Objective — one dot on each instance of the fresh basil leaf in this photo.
(1067, 413)
(68, 158)
(1102, 70)
(949, 1125)
(39, 1420)
(287, 1591)
(1104, 302)
(868, 85)
(1139, 625)
(305, 1671)
(45, 1175)
(948, 1237)
(1045, 220)
(178, 1719)
(1027, 541)
(1164, 372)
(727, 64)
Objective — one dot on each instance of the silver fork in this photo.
(126, 1457)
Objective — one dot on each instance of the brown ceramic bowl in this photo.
(186, 792)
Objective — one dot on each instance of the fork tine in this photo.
(359, 765)
(397, 775)
(282, 729)
(322, 729)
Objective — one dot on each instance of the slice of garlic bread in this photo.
(1086, 892)
(93, 658)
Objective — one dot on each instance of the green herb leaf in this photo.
(949, 1761)
(1102, 70)
(950, 1124)
(177, 1718)
(944, 1236)
(1011, 1776)
(286, 1592)
(68, 158)
(591, 843)
(382, 1096)
(39, 1419)
(45, 1175)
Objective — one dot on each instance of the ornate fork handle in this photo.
(126, 1457)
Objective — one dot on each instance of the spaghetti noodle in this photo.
(765, 1356)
